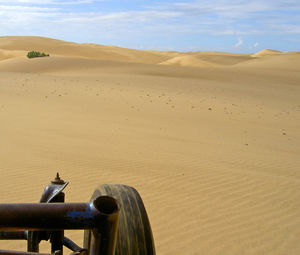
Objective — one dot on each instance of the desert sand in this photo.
(211, 140)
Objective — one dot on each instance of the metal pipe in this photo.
(104, 242)
(58, 216)
(33, 241)
(71, 245)
(57, 237)
(13, 235)
(8, 252)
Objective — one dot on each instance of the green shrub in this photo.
(36, 54)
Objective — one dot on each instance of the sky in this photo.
(241, 26)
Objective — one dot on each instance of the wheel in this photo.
(134, 231)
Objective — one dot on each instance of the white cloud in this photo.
(119, 17)
(242, 16)
(51, 2)
(80, 2)
(179, 21)
(18, 8)
(239, 43)
(34, 1)
(40, 2)
(215, 17)
(254, 46)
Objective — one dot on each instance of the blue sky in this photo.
(208, 25)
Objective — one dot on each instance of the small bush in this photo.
(36, 54)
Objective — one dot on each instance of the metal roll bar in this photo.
(49, 218)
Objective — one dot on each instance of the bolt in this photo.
(57, 180)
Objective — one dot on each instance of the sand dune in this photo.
(221, 58)
(94, 67)
(266, 52)
(275, 62)
(214, 151)
(18, 46)
(92, 51)
(187, 61)
(7, 54)
(54, 64)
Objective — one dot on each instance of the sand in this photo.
(210, 140)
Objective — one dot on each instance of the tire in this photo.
(134, 234)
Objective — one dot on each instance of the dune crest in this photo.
(69, 49)
(188, 61)
(266, 52)
(17, 47)
(7, 54)
(275, 63)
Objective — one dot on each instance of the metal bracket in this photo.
(53, 189)
(52, 193)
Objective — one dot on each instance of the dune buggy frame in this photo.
(115, 222)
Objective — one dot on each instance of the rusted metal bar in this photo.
(57, 237)
(101, 216)
(104, 242)
(8, 252)
(58, 216)
(33, 241)
(71, 245)
(52, 216)
(13, 235)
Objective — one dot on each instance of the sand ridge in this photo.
(7, 54)
(213, 151)
(188, 61)
(68, 49)
(16, 46)
(266, 52)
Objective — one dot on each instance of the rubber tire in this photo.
(134, 231)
